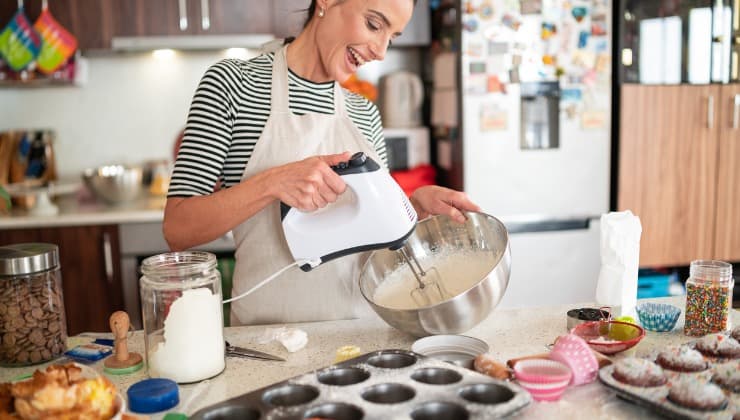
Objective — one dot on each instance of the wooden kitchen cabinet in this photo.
(191, 17)
(678, 172)
(88, 21)
(90, 269)
(727, 239)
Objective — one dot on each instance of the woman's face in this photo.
(354, 32)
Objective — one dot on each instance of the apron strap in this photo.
(339, 109)
(279, 95)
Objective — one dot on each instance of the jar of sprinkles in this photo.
(708, 297)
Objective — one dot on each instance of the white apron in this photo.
(329, 291)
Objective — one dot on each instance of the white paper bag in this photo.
(620, 260)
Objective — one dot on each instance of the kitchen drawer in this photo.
(143, 239)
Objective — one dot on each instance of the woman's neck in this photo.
(304, 58)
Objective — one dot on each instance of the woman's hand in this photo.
(309, 184)
(432, 200)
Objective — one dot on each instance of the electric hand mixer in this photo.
(372, 213)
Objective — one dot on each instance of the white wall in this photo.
(131, 107)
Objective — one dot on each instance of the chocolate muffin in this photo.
(719, 345)
(638, 372)
(681, 359)
(728, 376)
(697, 395)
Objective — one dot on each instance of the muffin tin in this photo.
(386, 384)
(656, 398)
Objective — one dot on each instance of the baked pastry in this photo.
(487, 365)
(719, 345)
(638, 372)
(60, 392)
(697, 395)
(681, 359)
(736, 333)
(728, 376)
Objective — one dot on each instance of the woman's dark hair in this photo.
(312, 9)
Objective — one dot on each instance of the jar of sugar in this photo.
(183, 316)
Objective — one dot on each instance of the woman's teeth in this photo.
(357, 57)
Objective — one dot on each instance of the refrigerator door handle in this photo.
(710, 112)
(545, 224)
(736, 112)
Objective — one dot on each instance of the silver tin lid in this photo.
(28, 258)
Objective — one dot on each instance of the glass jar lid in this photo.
(29, 258)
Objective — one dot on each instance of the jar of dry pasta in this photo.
(32, 319)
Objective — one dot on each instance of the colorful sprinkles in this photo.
(707, 308)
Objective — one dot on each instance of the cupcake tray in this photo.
(385, 384)
(656, 398)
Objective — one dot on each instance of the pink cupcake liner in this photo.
(574, 352)
(542, 371)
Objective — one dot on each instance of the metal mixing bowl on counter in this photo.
(473, 260)
(115, 184)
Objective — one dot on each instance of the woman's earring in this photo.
(321, 12)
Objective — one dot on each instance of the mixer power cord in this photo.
(313, 263)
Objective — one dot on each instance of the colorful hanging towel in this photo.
(19, 42)
(58, 44)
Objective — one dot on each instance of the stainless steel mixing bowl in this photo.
(115, 184)
(432, 238)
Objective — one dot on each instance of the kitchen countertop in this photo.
(509, 333)
(75, 212)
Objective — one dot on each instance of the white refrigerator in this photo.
(535, 91)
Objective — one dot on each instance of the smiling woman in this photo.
(269, 130)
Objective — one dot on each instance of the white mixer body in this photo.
(372, 213)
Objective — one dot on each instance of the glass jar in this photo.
(33, 326)
(183, 316)
(708, 297)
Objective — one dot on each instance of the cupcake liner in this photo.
(659, 317)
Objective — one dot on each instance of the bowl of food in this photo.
(609, 337)
(464, 268)
(115, 184)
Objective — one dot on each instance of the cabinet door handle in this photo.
(710, 112)
(182, 8)
(736, 112)
(108, 258)
(205, 15)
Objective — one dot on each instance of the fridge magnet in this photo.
(493, 118)
(571, 95)
(603, 61)
(579, 13)
(514, 75)
(548, 59)
(497, 47)
(593, 119)
(559, 71)
(470, 24)
(583, 58)
(476, 84)
(571, 111)
(598, 28)
(468, 8)
(495, 85)
(477, 67)
(589, 78)
(512, 22)
(583, 39)
(474, 49)
(485, 11)
(600, 44)
(531, 7)
(548, 30)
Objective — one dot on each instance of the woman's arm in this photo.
(306, 185)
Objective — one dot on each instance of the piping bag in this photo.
(620, 260)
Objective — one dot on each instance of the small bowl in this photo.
(660, 317)
(609, 337)
(460, 350)
(544, 379)
(574, 352)
(115, 184)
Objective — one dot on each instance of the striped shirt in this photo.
(229, 112)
